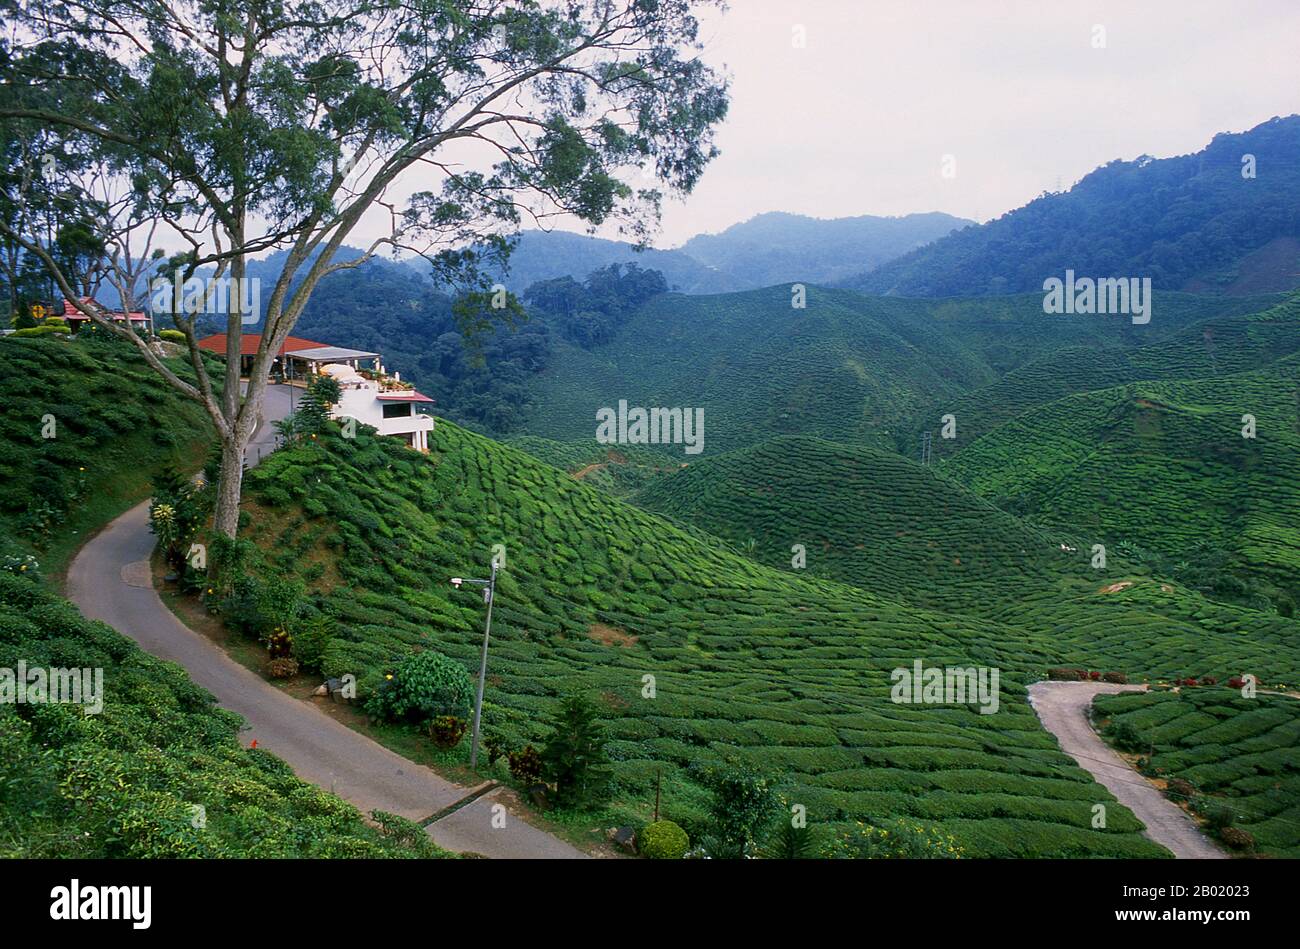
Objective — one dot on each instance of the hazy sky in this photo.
(859, 120)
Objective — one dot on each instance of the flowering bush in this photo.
(902, 839)
(279, 644)
(423, 686)
(23, 565)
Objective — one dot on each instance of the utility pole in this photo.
(489, 595)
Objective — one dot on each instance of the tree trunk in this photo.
(225, 519)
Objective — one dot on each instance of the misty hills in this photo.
(767, 249)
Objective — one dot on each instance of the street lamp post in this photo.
(489, 594)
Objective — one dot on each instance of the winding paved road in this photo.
(1063, 709)
(110, 580)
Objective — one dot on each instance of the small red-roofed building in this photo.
(76, 318)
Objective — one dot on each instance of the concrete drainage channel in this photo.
(480, 825)
(475, 793)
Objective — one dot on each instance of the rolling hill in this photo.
(786, 671)
(1235, 339)
(848, 368)
(1162, 466)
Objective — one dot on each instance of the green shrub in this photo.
(172, 336)
(744, 801)
(424, 685)
(1125, 737)
(1220, 816)
(662, 840)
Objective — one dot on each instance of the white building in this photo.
(386, 405)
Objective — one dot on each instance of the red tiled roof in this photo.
(248, 343)
(408, 396)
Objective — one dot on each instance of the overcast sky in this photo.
(860, 119)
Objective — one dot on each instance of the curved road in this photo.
(110, 580)
(1063, 709)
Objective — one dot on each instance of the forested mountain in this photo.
(777, 248)
(1226, 218)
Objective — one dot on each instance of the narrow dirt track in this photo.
(110, 580)
(1063, 709)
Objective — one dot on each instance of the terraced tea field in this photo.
(1159, 465)
(1236, 752)
(846, 367)
(870, 518)
(1238, 339)
(790, 672)
(85, 424)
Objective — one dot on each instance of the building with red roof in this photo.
(76, 318)
(367, 393)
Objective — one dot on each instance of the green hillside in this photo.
(869, 518)
(848, 368)
(1235, 339)
(1238, 754)
(788, 672)
(1161, 466)
(85, 426)
(159, 772)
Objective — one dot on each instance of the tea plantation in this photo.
(1238, 754)
(845, 367)
(1161, 466)
(1233, 340)
(786, 671)
(85, 425)
(158, 772)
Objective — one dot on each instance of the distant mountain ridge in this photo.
(1225, 219)
(778, 247)
(766, 250)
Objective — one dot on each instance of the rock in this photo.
(625, 837)
(322, 690)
